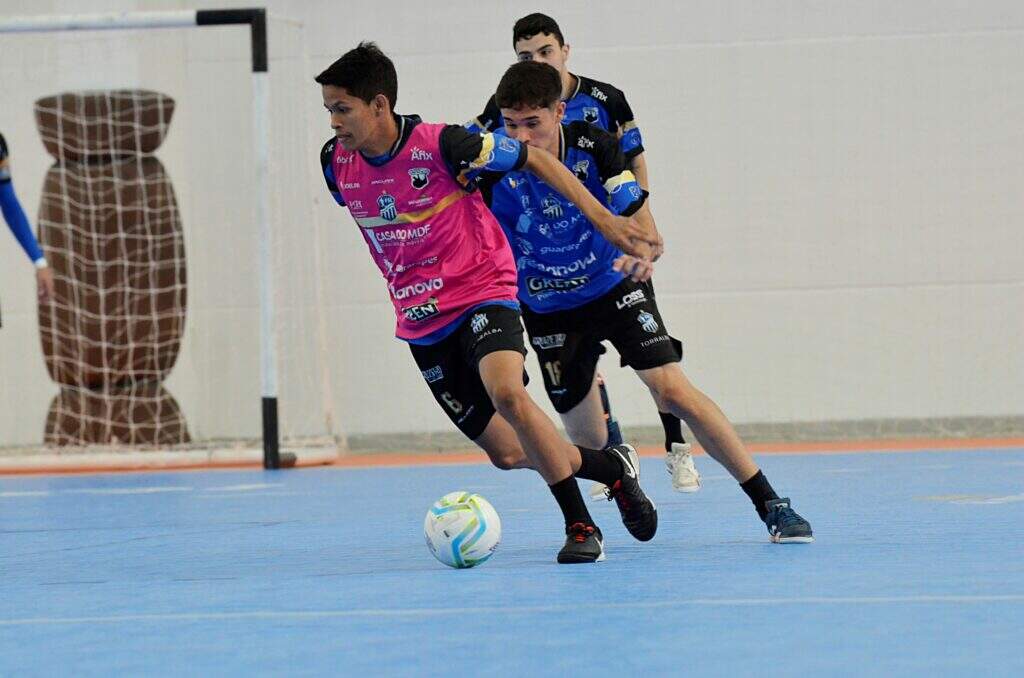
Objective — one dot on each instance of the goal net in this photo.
(187, 325)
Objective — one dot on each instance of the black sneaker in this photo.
(583, 544)
(639, 514)
(785, 526)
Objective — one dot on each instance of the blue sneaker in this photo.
(785, 526)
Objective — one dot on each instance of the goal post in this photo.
(273, 455)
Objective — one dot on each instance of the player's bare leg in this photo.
(500, 442)
(541, 446)
(719, 439)
(585, 423)
(502, 375)
(549, 453)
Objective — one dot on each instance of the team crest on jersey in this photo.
(420, 177)
(647, 322)
(478, 323)
(552, 208)
(591, 114)
(581, 169)
(386, 205)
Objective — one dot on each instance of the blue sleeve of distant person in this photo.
(18, 222)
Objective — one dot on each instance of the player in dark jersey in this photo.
(537, 37)
(16, 220)
(410, 186)
(572, 299)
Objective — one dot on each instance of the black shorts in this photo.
(451, 365)
(568, 343)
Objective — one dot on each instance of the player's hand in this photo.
(629, 235)
(44, 284)
(638, 270)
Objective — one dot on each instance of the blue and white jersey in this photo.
(597, 103)
(561, 259)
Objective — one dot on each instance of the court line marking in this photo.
(129, 490)
(526, 609)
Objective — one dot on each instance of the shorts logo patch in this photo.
(648, 322)
(420, 177)
(433, 374)
(630, 300)
(478, 322)
(549, 341)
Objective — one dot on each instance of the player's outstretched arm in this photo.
(16, 220)
(626, 233)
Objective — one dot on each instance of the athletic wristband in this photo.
(41, 263)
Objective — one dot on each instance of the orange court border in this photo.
(470, 456)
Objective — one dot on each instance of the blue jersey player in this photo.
(537, 37)
(16, 220)
(575, 294)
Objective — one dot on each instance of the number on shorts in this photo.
(454, 405)
(554, 368)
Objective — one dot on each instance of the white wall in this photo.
(839, 185)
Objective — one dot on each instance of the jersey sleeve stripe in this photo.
(615, 183)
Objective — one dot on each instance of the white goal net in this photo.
(133, 154)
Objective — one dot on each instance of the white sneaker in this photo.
(600, 491)
(680, 466)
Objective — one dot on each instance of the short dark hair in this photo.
(535, 24)
(529, 84)
(364, 72)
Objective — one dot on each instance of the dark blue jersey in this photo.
(597, 103)
(561, 259)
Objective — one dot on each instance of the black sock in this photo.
(673, 430)
(759, 490)
(600, 466)
(567, 494)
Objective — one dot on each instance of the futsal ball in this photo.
(462, 529)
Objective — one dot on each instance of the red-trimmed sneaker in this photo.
(583, 544)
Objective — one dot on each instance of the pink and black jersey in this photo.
(437, 245)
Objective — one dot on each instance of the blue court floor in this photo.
(918, 569)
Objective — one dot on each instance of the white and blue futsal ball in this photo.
(462, 529)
